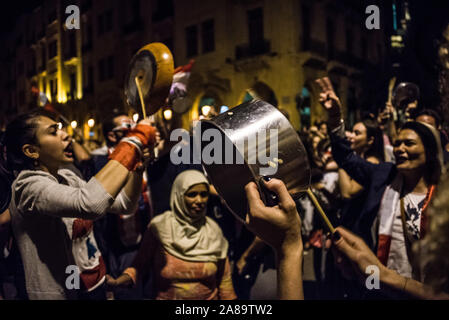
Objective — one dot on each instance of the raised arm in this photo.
(41, 193)
(358, 168)
(127, 200)
(280, 227)
(125, 158)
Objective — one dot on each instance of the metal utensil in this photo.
(151, 71)
(236, 127)
(404, 93)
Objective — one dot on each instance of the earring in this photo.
(36, 162)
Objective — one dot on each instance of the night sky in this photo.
(10, 10)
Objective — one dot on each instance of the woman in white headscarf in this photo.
(185, 250)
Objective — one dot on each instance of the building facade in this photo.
(243, 49)
(274, 50)
(81, 71)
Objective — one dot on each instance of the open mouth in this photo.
(68, 151)
(400, 160)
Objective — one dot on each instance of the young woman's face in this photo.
(359, 140)
(323, 128)
(409, 151)
(196, 200)
(54, 145)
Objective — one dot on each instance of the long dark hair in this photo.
(373, 131)
(22, 130)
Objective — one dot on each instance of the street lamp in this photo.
(205, 110)
(74, 124)
(91, 123)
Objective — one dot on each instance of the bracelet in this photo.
(135, 142)
(145, 133)
(127, 153)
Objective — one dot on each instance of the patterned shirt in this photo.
(177, 279)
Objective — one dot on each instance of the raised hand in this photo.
(330, 101)
(279, 226)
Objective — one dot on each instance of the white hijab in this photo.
(198, 239)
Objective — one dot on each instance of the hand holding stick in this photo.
(320, 210)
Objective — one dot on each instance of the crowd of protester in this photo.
(140, 227)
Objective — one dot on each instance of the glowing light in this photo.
(91, 123)
(62, 100)
(168, 114)
(135, 117)
(205, 110)
(395, 23)
(74, 124)
(224, 109)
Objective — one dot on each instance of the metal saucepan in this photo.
(237, 127)
(405, 93)
(153, 66)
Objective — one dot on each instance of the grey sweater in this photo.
(39, 202)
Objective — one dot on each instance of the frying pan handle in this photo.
(269, 198)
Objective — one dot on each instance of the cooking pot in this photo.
(263, 144)
(405, 93)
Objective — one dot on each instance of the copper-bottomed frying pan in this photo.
(151, 69)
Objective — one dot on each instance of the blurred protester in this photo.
(429, 116)
(322, 127)
(387, 124)
(366, 141)
(432, 118)
(119, 236)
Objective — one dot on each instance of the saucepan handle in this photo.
(269, 198)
